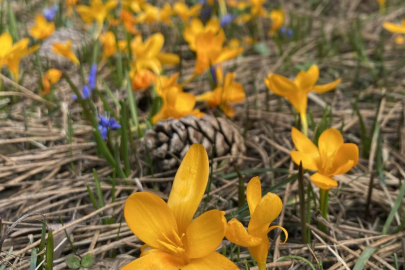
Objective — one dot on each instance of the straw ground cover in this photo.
(52, 173)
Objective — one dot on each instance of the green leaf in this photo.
(87, 260)
(397, 204)
(261, 48)
(34, 258)
(73, 261)
(365, 255)
(49, 251)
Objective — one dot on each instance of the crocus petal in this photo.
(265, 212)
(329, 142)
(150, 218)
(189, 186)
(154, 44)
(308, 162)
(185, 102)
(253, 194)
(6, 42)
(228, 110)
(154, 260)
(299, 101)
(161, 115)
(85, 13)
(281, 228)
(213, 261)
(205, 233)
(168, 58)
(280, 85)
(344, 168)
(110, 5)
(347, 152)
(227, 54)
(260, 252)
(307, 79)
(323, 181)
(237, 234)
(209, 97)
(326, 87)
(236, 92)
(394, 28)
(303, 144)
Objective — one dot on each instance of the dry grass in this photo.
(41, 172)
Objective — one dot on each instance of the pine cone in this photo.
(170, 140)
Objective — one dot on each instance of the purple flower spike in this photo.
(103, 131)
(86, 92)
(49, 13)
(92, 76)
(114, 124)
(213, 74)
(225, 20)
(104, 122)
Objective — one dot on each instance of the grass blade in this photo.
(397, 204)
(365, 255)
(49, 251)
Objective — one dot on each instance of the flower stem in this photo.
(304, 123)
(324, 202)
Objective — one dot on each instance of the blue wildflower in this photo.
(92, 76)
(104, 121)
(114, 124)
(213, 74)
(104, 124)
(49, 13)
(85, 94)
(225, 20)
(103, 131)
(288, 32)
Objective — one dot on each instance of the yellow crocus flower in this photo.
(398, 29)
(51, 77)
(70, 4)
(65, 50)
(42, 28)
(331, 157)
(381, 3)
(227, 91)
(149, 14)
(109, 44)
(164, 83)
(165, 13)
(257, 8)
(210, 50)
(182, 10)
(129, 22)
(11, 54)
(263, 211)
(277, 20)
(147, 54)
(296, 92)
(196, 27)
(97, 11)
(176, 104)
(173, 240)
(134, 5)
(141, 79)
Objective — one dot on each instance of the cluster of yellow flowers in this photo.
(173, 240)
